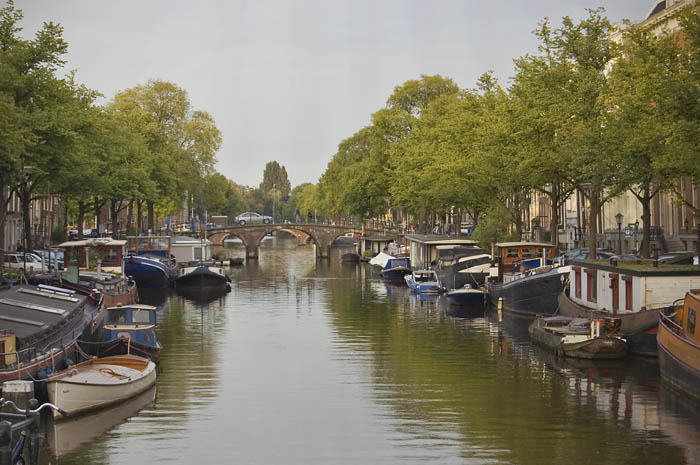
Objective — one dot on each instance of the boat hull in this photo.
(202, 277)
(395, 274)
(460, 297)
(679, 362)
(75, 392)
(592, 348)
(146, 273)
(639, 328)
(530, 296)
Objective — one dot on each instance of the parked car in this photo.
(252, 217)
(52, 257)
(16, 260)
(580, 254)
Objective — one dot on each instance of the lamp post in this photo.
(273, 202)
(636, 228)
(618, 217)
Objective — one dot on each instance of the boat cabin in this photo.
(187, 249)
(424, 250)
(149, 245)
(686, 317)
(621, 289)
(516, 257)
(87, 253)
(135, 322)
(373, 245)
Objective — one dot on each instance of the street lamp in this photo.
(618, 217)
(636, 228)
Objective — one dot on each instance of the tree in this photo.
(275, 176)
(182, 142)
(635, 95)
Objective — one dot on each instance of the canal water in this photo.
(317, 362)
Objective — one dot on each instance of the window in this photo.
(628, 292)
(527, 253)
(116, 316)
(577, 279)
(592, 285)
(197, 253)
(691, 321)
(512, 253)
(140, 316)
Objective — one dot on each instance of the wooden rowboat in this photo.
(100, 382)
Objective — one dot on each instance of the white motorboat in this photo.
(100, 382)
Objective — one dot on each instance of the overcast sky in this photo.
(288, 80)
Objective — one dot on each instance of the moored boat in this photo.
(41, 326)
(130, 329)
(526, 291)
(679, 346)
(100, 382)
(466, 295)
(202, 275)
(634, 294)
(424, 282)
(149, 261)
(576, 338)
(396, 268)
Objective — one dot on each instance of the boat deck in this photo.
(106, 371)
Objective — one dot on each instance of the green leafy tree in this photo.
(275, 177)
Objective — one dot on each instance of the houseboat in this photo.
(41, 326)
(424, 249)
(525, 289)
(679, 346)
(458, 265)
(634, 294)
(98, 264)
(187, 250)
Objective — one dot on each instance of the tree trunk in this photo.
(421, 221)
(5, 195)
(646, 223)
(151, 216)
(555, 199)
(97, 207)
(139, 217)
(25, 201)
(82, 207)
(593, 224)
(113, 215)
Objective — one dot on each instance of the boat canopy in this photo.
(381, 259)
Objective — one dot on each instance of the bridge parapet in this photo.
(323, 235)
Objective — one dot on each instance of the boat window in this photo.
(116, 316)
(512, 253)
(691, 321)
(527, 253)
(147, 337)
(143, 243)
(197, 253)
(140, 316)
(162, 244)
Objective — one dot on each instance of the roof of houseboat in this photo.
(436, 239)
(100, 241)
(524, 244)
(187, 240)
(136, 306)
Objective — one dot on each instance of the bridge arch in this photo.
(251, 235)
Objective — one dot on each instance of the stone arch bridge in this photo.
(322, 235)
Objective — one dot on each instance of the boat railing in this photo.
(669, 323)
(36, 354)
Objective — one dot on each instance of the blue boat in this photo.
(148, 271)
(149, 261)
(424, 282)
(466, 295)
(396, 268)
(130, 329)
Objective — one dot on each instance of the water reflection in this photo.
(312, 362)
